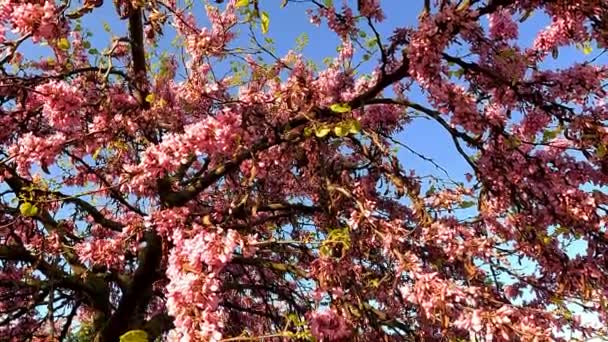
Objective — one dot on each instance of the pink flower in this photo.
(502, 25)
(328, 326)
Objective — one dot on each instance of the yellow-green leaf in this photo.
(134, 336)
(549, 135)
(341, 130)
(242, 3)
(526, 15)
(322, 131)
(507, 53)
(355, 127)
(28, 209)
(587, 49)
(340, 108)
(601, 151)
(513, 142)
(467, 204)
(464, 5)
(150, 98)
(96, 153)
(63, 44)
(307, 132)
(265, 22)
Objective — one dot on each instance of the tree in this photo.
(229, 192)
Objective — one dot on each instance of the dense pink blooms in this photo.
(502, 26)
(108, 252)
(226, 187)
(31, 148)
(194, 284)
(372, 9)
(327, 325)
(61, 102)
(39, 18)
(561, 31)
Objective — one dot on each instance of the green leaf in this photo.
(464, 5)
(354, 127)
(86, 44)
(549, 135)
(150, 98)
(307, 132)
(328, 3)
(513, 142)
(63, 44)
(265, 22)
(507, 53)
(340, 108)
(106, 27)
(371, 42)
(526, 15)
(341, 130)
(134, 336)
(322, 131)
(587, 48)
(28, 209)
(467, 204)
(601, 151)
(241, 3)
(457, 73)
(301, 41)
(96, 153)
(94, 51)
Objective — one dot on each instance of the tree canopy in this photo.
(217, 190)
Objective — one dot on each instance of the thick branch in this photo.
(138, 293)
(138, 54)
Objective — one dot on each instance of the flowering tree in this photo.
(154, 196)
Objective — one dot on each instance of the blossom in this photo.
(40, 19)
(234, 189)
(328, 325)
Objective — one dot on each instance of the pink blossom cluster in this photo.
(342, 22)
(207, 41)
(427, 45)
(212, 136)
(107, 252)
(194, 273)
(502, 26)
(564, 29)
(61, 103)
(501, 324)
(39, 18)
(575, 83)
(372, 9)
(31, 148)
(328, 325)
(330, 86)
